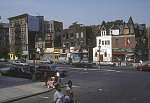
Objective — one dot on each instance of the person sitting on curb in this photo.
(69, 93)
(58, 95)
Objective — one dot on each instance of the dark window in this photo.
(117, 41)
(71, 34)
(67, 36)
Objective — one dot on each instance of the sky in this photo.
(86, 12)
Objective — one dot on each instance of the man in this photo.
(45, 78)
(58, 95)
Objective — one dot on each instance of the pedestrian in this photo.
(45, 78)
(58, 95)
(119, 61)
(59, 79)
(69, 93)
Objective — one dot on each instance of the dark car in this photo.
(83, 63)
(51, 70)
(21, 71)
(143, 67)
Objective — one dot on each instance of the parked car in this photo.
(83, 63)
(51, 70)
(46, 61)
(21, 71)
(107, 63)
(3, 60)
(4, 68)
(62, 60)
(20, 62)
(143, 67)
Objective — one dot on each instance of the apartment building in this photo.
(78, 33)
(22, 32)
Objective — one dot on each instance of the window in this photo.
(107, 42)
(67, 36)
(96, 54)
(82, 35)
(77, 35)
(63, 44)
(72, 44)
(117, 41)
(128, 41)
(105, 54)
(102, 42)
(111, 32)
(64, 36)
(71, 35)
(66, 44)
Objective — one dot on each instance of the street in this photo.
(110, 85)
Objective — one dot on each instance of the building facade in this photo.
(22, 32)
(118, 39)
(75, 36)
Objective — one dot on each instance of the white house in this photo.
(104, 41)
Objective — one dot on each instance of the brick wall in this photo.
(121, 41)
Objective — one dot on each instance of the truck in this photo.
(63, 59)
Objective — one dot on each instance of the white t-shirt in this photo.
(58, 74)
(58, 97)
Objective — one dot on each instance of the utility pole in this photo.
(125, 49)
(99, 53)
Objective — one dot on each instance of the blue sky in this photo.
(87, 12)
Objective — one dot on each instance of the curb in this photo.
(24, 96)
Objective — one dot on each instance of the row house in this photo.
(77, 33)
(22, 32)
(120, 40)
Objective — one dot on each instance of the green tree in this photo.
(4, 50)
(4, 41)
(80, 46)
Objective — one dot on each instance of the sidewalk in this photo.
(13, 93)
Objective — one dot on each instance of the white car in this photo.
(20, 62)
(107, 63)
(46, 61)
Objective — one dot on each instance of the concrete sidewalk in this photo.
(13, 93)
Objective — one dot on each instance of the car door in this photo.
(147, 67)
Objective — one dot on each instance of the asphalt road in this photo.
(112, 85)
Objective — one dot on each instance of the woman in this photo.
(58, 96)
(70, 92)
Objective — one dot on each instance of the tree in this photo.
(80, 46)
(4, 41)
(4, 50)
